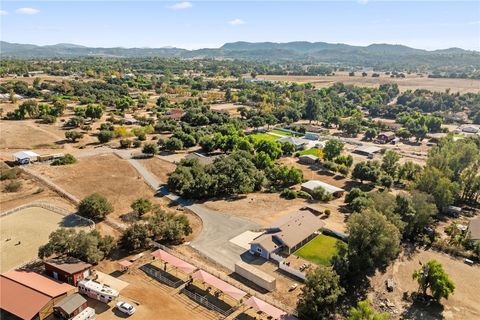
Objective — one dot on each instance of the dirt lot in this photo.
(22, 232)
(26, 134)
(463, 304)
(158, 167)
(409, 82)
(30, 191)
(105, 174)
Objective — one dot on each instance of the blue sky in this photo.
(199, 24)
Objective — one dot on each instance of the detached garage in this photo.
(311, 185)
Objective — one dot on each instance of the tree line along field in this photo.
(410, 82)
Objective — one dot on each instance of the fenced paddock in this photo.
(209, 301)
(24, 229)
(161, 276)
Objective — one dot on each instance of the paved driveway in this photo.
(218, 228)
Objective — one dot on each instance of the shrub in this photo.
(8, 174)
(13, 186)
(104, 136)
(328, 212)
(304, 195)
(137, 143)
(66, 159)
(330, 166)
(125, 143)
(320, 194)
(73, 136)
(343, 170)
(48, 119)
(288, 194)
(150, 148)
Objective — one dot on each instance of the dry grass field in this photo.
(409, 82)
(463, 304)
(27, 134)
(24, 231)
(105, 174)
(158, 167)
(30, 191)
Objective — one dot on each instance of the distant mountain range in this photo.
(315, 52)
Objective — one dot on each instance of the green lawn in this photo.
(284, 133)
(263, 136)
(314, 152)
(319, 250)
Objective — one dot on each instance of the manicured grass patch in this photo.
(314, 152)
(263, 136)
(319, 250)
(285, 133)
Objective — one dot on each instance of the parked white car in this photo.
(126, 308)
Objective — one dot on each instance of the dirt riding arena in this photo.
(24, 231)
(410, 82)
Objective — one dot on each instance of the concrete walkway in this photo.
(218, 228)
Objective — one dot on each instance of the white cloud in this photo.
(362, 1)
(236, 22)
(182, 5)
(27, 11)
(3, 13)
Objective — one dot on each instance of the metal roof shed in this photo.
(313, 184)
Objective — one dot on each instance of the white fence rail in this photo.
(156, 274)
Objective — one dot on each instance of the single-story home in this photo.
(474, 229)
(29, 295)
(74, 307)
(175, 113)
(311, 185)
(470, 128)
(287, 234)
(67, 269)
(386, 137)
(25, 157)
(299, 143)
(369, 151)
(308, 159)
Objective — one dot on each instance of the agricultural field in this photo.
(320, 250)
(24, 231)
(410, 82)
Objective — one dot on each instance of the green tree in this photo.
(141, 206)
(332, 149)
(95, 207)
(73, 136)
(312, 109)
(150, 148)
(390, 162)
(272, 148)
(136, 236)
(320, 294)
(431, 276)
(173, 144)
(94, 111)
(372, 241)
(105, 136)
(363, 311)
(367, 171)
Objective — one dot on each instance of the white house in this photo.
(25, 157)
(311, 185)
(470, 129)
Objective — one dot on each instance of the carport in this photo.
(268, 309)
(202, 287)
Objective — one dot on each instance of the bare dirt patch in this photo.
(26, 134)
(158, 167)
(410, 82)
(463, 304)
